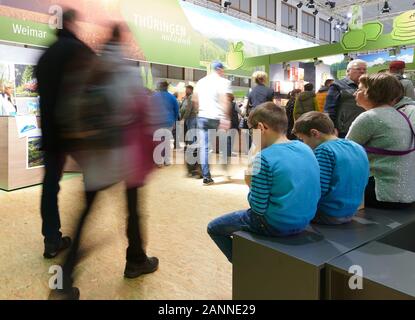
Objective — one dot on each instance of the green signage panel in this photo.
(26, 32)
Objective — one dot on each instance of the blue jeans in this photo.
(222, 228)
(204, 124)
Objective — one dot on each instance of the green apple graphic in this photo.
(235, 57)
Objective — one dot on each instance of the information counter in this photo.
(15, 170)
(21, 162)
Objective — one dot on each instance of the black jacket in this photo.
(65, 55)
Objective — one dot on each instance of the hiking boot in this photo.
(52, 250)
(208, 181)
(61, 294)
(134, 269)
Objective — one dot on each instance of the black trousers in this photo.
(135, 251)
(372, 202)
(54, 163)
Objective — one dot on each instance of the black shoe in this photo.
(134, 270)
(208, 181)
(60, 294)
(52, 250)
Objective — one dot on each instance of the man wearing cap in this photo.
(397, 68)
(340, 102)
(212, 96)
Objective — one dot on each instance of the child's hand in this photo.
(248, 177)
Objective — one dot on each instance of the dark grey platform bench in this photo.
(294, 267)
(387, 265)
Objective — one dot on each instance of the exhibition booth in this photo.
(289, 70)
(163, 32)
(174, 33)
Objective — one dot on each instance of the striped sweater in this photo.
(344, 173)
(285, 185)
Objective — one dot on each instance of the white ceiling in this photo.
(371, 9)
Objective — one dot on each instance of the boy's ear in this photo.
(314, 133)
(261, 126)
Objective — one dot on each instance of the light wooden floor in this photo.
(177, 210)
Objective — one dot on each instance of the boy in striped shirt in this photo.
(344, 168)
(284, 186)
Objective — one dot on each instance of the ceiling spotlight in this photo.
(330, 19)
(227, 4)
(331, 4)
(315, 12)
(299, 5)
(310, 4)
(386, 8)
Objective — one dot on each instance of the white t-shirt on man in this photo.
(210, 90)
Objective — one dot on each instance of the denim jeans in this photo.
(222, 228)
(204, 124)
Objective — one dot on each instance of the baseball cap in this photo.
(397, 65)
(217, 65)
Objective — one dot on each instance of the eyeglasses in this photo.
(360, 69)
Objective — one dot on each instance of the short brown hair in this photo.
(272, 115)
(313, 120)
(381, 88)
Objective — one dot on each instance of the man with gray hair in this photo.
(340, 102)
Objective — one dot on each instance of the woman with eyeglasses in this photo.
(386, 130)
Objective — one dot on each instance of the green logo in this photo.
(235, 57)
(404, 26)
